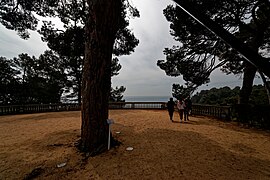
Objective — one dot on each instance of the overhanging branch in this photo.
(262, 64)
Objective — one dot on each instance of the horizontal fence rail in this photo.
(37, 108)
(223, 112)
(137, 105)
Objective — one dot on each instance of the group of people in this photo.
(183, 106)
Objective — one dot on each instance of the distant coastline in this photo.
(146, 98)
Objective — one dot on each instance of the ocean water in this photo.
(146, 98)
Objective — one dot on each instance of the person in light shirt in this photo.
(181, 107)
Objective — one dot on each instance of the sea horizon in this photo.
(146, 98)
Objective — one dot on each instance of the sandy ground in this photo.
(203, 148)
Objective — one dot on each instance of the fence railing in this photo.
(137, 105)
(37, 108)
(223, 112)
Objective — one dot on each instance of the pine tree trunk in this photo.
(249, 75)
(266, 86)
(101, 28)
(249, 71)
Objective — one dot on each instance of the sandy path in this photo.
(203, 148)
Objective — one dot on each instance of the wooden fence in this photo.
(223, 112)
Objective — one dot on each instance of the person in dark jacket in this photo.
(188, 107)
(170, 106)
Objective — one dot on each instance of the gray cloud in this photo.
(139, 72)
(11, 44)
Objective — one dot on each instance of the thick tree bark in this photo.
(250, 70)
(101, 27)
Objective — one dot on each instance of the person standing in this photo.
(188, 107)
(170, 106)
(181, 108)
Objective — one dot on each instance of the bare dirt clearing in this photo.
(203, 148)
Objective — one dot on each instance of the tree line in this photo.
(46, 79)
(227, 96)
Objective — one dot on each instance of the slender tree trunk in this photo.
(266, 86)
(101, 28)
(249, 75)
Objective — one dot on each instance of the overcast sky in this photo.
(139, 74)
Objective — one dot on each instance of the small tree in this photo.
(8, 82)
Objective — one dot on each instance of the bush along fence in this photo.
(252, 115)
